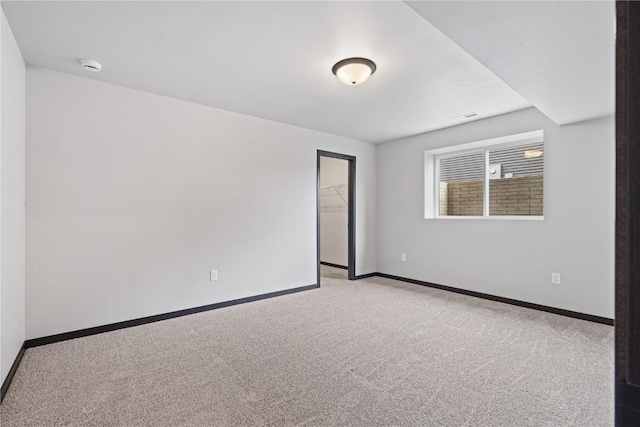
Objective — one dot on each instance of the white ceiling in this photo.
(273, 59)
(560, 55)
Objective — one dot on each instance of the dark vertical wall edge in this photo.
(318, 218)
(627, 256)
(352, 219)
(621, 187)
(632, 124)
(627, 405)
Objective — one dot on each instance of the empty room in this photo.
(357, 213)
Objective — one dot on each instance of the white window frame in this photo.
(432, 173)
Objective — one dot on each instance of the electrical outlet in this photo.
(403, 257)
(555, 278)
(213, 275)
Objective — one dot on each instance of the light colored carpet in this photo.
(365, 353)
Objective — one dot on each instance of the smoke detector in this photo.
(90, 65)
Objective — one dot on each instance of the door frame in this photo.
(351, 212)
(627, 289)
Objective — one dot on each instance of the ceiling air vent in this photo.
(463, 117)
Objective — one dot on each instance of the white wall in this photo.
(512, 259)
(133, 197)
(12, 192)
(334, 213)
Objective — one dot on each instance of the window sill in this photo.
(495, 217)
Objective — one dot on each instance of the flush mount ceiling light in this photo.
(530, 154)
(90, 65)
(353, 71)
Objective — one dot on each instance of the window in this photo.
(499, 178)
(461, 184)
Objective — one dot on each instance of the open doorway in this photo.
(335, 192)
